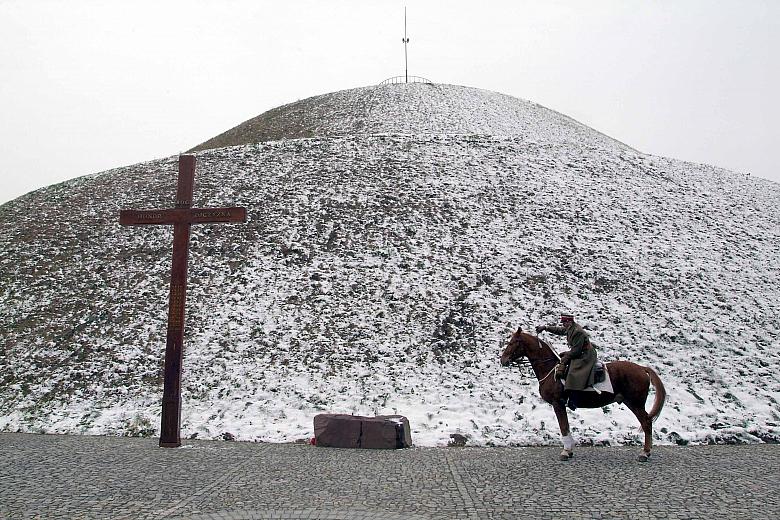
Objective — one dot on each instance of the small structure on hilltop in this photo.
(406, 77)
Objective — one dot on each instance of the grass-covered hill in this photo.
(396, 235)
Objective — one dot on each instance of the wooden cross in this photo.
(182, 216)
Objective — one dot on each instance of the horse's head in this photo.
(516, 348)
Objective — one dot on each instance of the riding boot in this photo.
(572, 401)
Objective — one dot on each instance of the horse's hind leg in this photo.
(563, 424)
(647, 427)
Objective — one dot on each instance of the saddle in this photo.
(602, 382)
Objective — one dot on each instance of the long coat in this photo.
(581, 353)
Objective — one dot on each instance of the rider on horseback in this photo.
(580, 359)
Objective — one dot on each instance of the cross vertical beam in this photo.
(170, 423)
(181, 217)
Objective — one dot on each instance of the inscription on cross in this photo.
(181, 217)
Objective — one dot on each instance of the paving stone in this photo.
(48, 476)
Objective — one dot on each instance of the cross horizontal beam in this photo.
(132, 217)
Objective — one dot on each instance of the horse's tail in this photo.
(660, 394)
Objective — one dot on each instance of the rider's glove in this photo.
(540, 328)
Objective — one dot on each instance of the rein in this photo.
(556, 358)
(543, 361)
(548, 374)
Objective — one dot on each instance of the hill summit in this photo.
(416, 109)
(396, 236)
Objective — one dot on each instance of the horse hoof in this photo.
(644, 457)
(566, 455)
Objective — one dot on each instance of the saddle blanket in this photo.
(603, 386)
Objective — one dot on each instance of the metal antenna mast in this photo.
(406, 60)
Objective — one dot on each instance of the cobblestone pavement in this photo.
(48, 476)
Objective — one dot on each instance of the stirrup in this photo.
(566, 454)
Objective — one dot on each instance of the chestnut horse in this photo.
(630, 382)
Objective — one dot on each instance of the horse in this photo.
(630, 382)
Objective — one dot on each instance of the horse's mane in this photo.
(527, 335)
(535, 340)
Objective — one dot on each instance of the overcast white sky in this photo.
(86, 86)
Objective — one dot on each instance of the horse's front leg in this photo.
(563, 423)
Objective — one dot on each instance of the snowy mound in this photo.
(382, 274)
(415, 108)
